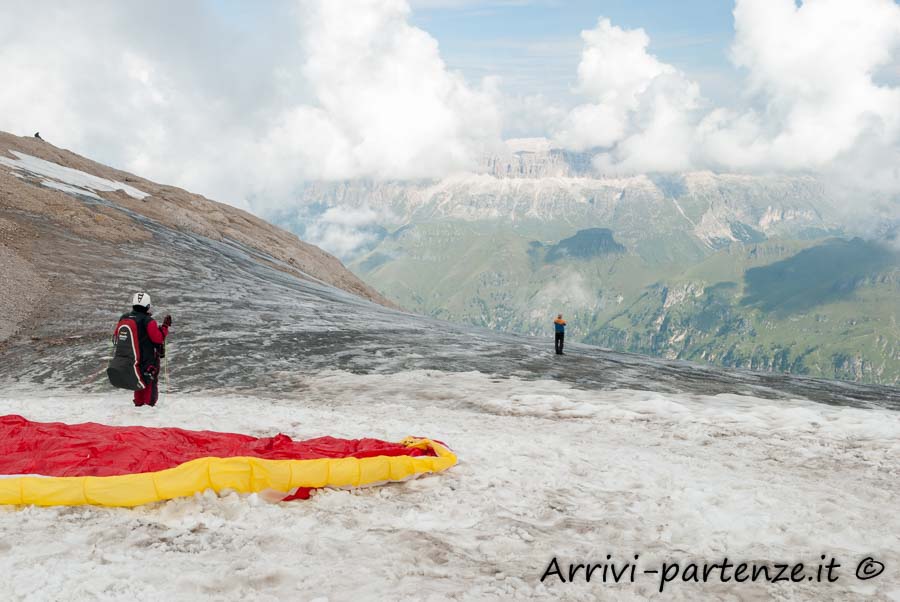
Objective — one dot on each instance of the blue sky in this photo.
(535, 46)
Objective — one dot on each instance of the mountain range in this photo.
(750, 271)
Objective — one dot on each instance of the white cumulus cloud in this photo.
(811, 68)
(639, 110)
(338, 89)
(177, 92)
(384, 97)
(812, 101)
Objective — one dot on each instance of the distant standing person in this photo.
(560, 326)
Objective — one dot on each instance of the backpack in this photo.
(125, 368)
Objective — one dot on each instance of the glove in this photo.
(150, 373)
(167, 321)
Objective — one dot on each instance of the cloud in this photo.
(158, 89)
(818, 98)
(811, 69)
(385, 100)
(344, 231)
(640, 108)
(660, 132)
(813, 73)
(191, 94)
(527, 116)
(181, 93)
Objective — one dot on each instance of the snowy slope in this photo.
(580, 456)
(546, 470)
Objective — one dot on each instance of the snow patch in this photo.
(67, 179)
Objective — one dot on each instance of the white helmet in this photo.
(142, 299)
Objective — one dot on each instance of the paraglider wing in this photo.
(50, 464)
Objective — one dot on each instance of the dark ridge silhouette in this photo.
(585, 244)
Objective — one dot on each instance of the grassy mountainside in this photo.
(823, 307)
(829, 309)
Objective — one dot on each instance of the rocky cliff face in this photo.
(709, 204)
(535, 158)
(546, 185)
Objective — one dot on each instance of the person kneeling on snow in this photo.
(139, 344)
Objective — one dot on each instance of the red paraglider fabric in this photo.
(90, 449)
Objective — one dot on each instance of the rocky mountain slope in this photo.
(56, 205)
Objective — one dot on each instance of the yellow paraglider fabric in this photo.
(244, 474)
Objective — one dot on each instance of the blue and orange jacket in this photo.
(560, 325)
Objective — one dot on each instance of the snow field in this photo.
(545, 470)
